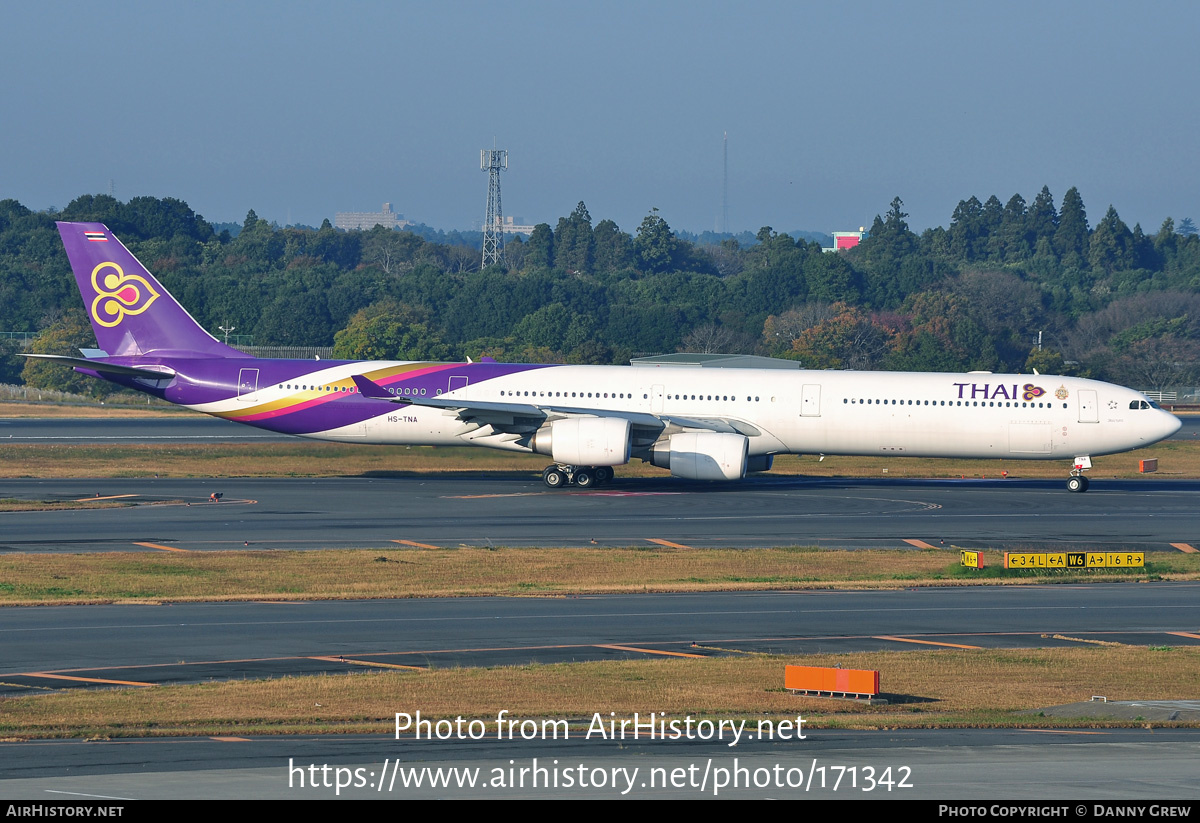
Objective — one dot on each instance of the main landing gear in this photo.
(585, 477)
(1077, 482)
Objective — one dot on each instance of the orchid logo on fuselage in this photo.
(119, 294)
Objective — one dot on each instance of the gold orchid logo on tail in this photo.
(119, 294)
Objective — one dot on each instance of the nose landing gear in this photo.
(1077, 482)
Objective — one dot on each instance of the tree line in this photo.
(1108, 301)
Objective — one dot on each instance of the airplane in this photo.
(700, 423)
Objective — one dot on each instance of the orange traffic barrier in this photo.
(834, 682)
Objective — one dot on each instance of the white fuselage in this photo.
(924, 414)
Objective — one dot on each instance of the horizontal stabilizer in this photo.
(106, 368)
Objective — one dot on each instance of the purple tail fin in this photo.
(130, 311)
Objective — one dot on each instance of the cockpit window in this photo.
(1142, 404)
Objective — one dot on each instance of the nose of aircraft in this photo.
(1165, 425)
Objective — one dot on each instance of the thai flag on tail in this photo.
(96, 236)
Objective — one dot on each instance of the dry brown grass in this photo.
(1177, 459)
(394, 572)
(298, 459)
(45, 410)
(928, 688)
(12, 504)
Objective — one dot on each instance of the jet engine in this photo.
(703, 455)
(585, 441)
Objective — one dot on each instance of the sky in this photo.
(302, 109)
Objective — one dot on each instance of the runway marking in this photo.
(481, 496)
(1059, 731)
(1186, 634)
(647, 651)
(367, 663)
(231, 739)
(920, 544)
(88, 679)
(110, 497)
(161, 547)
(627, 494)
(666, 543)
(924, 642)
(84, 794)
(418, 545)
(1184, 547)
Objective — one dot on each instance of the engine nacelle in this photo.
(703, 455)
(585, 441)
(760, 463)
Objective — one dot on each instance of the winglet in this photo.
(369, 388)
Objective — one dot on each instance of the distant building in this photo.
(366, 220)
(515, 226)
(843, 240)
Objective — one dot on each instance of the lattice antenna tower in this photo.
(725, 183)
(493, 161)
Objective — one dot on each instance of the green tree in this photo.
(614, 248)
(655, 244)
(389, 331)
(10, 363)
(1111, 246)
(295, 320)
(1043, 217)
(391, 250)
(544, 328)
(1071, 236)
(849, 340)
(1013, 240)
(1045, 361)
(66, 336)
(967, 235)
(574, 243)
(539, 252)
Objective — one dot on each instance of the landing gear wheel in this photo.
(1086, 482)
(584, 479)
(554, 477)
(603, 473)
(1077, 483)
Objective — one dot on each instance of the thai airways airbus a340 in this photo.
(700, 423)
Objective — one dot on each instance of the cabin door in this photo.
(656, 400)
(1089, 412)
(810, 403)
(247, 384)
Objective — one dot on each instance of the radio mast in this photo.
(725, 184)
(493, 161)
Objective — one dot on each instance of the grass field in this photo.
(125, 577)
(57, 410)
(1177, 459)
(947, 688)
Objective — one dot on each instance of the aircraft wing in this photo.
(532, 415)
(105, 368)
